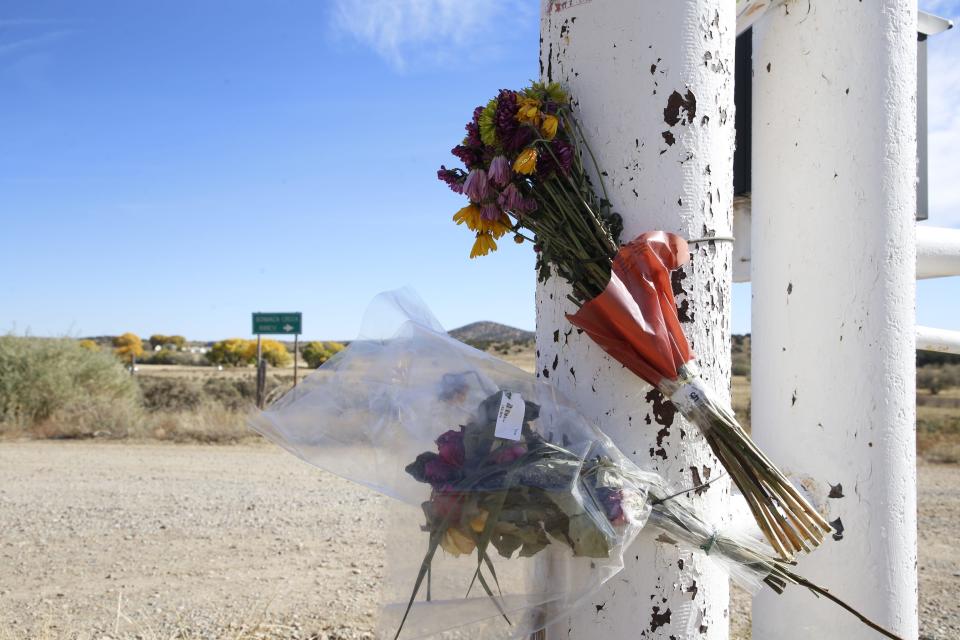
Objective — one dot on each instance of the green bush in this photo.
(57, 388)
(170, 394)
(170, 356)
(235, 394)
(936, 378)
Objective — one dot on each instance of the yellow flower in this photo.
(469, 215)
(483, 245)
(479, 522)
(528, 111)
(456, 542)
(497, 228)
(549, 127)
(526, 162)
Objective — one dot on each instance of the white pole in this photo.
(653, 85)
(833, 271)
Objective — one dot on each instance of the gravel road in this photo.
(154, 541)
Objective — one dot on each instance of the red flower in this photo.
(450, 446)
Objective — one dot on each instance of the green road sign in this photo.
(289, 323)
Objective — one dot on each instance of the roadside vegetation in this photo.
(64, 388)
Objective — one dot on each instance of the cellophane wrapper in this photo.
(370, 411)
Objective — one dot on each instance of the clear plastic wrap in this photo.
(510, 507)
(414, 414)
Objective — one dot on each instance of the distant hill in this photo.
(488, 332)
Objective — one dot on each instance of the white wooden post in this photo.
(833, 266)
(653, 86)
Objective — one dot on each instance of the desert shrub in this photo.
(316, 353)
(211, 423)
(128, 346)
(232, 352)
(936, 378)
(89, 345)
(740, 364)
(170, 394)
(56, 388)
(234, 394)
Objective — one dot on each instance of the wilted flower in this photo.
(469, 215)
(473, 135)
(510, 199)
(490, 211)
(563, 150)
(500, 172)
(475, 186)
(453, 178)
(479, 522)
(526, 162)
(483, 245)
(457, 543)
(438, 472)
(612, 501)
(450, 446)
(505, 119)
(549, 127)
(507, 454)
(470, 156)
(528, 110)
(496, 227)
(446, 502)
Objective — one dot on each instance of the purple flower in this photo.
(505, 119)
(473, 135)
(476, 185)
(453, 178)
(507, 454)
(437, 472)
(564, 152)
(500, 172)
(510, 199)
(612, 501)
(470, 156)
(490, 211)
(450, 446)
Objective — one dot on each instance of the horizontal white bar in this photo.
(943, 340)
(938, 252)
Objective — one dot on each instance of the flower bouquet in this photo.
(483, 458)
(525, 176)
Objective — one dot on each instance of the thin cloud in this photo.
(403, 32)
(31, 42)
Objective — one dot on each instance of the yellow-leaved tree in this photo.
(275, 353)
(316, 353)
(232, 352)
(128, 346)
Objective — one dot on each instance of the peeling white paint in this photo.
(653, 83)
(833, 260)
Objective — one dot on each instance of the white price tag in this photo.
(510, 416)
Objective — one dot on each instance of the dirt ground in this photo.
(156, 541)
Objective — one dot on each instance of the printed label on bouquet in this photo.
(510, 416)
(689, 396)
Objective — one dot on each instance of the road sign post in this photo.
(284, 323)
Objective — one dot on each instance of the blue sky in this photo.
(171, 167)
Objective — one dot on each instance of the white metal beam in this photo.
(938, 252)
(942, 340)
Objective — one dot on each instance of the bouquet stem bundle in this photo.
(682, 525)
(525, 176)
